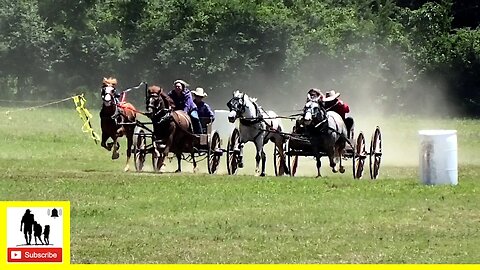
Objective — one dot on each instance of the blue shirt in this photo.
(205, 111)
(184, 101)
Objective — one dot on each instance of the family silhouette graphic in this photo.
(28, 225)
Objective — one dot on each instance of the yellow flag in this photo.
(85, 115)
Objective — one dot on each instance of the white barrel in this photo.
(222, 125)
(438, 157)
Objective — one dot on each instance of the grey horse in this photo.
(257, 126)
(326, 131)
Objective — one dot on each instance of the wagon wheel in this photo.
(157, 156)
(213, 152)
(375, 153)
(279, 167)
(233, 152)
(139, 150)
(292, 161)
(359, 155)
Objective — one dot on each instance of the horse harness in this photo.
(256, 120)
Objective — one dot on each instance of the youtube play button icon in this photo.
(16, 255)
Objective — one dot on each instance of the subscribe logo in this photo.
(39, 238)
(34, 255)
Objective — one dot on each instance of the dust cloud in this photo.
(389, 97)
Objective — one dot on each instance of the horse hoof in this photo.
(240, 165)
(115, 155)
(342, 170)
(126, 169)
(262, 175)
(178, 171)
(334, 171)
(109, 146)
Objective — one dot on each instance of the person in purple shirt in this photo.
(182, 97)
(205, 113)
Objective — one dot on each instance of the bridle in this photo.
(157, 108)
(314, 114)
(108, 95)
(237, 104)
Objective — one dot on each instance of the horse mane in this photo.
(110, 81)
(169, 103)
(237, 94)
(168, 100)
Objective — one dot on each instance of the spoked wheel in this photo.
(214, 152)
(157, 156)
(359, 157)
(279, 166)
(292, 160)
(233, 152)
(375, 153)
(139, 150)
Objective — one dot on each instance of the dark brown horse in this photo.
(112, 116)
(173, 128)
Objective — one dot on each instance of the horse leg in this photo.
(264, 159)
(129, 136)
(104, 142)
(116, 145)
(258, 156)
(194, 162)
(179, 162)
(319, 164)
(240, 155)
(331, 157)
(340, 150)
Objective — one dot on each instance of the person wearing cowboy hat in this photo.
(333, 103)
(205, 113)
(182, 97)
(314, 94)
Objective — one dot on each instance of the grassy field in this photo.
(133, 217)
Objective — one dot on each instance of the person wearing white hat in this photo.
(205, 113)
(314, 94)
(182, 97)
(333, 103)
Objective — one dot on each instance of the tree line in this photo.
(398, 54)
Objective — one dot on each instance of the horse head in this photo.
(108, 91)
(108, 96)
(155, 102)
(158, 103)
(314, 112)
(241, 105)
(236, 105)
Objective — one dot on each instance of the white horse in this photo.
(257, 126)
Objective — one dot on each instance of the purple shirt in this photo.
(183, 102)
(205, 111)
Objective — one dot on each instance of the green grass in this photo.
(132, 217)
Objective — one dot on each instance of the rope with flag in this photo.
(85, 115)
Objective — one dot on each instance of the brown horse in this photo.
(173, 128)
(112, 116)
